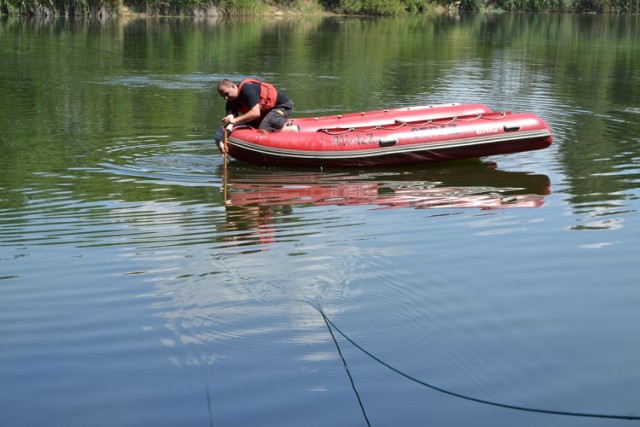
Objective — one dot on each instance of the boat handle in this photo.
(511, 128)
(388, 142)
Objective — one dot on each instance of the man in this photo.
(257, 104)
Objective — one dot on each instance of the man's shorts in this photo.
(277, 117)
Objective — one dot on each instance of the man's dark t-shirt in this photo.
(269, 121)
(250, 96)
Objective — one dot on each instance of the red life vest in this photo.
(268, 96)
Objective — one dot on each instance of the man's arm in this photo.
(250, 95)
(249, 116)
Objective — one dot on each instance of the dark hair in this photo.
(224, 83)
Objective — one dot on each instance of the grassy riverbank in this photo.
(211, 8)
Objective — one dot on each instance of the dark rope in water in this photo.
(346, 367)
(331, 325)
(209, 404)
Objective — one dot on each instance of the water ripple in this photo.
(166, 81)
(173, 163)
(176, 193)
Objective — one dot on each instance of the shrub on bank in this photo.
(60, 7)
(573, 6)
(352, 7)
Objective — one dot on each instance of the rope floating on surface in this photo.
(346, 367)
(331, 325)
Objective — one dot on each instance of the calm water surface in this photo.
(140, 284)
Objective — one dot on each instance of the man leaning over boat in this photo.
(257, 104)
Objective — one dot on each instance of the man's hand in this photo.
(228, 120)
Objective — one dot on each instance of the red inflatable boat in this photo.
(392, 137)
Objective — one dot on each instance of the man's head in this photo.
(228, 90)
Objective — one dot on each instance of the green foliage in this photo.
(472, 5)
(242, 7)
(415, 6)
(376, 7)
(589, 5)
(574, 6)
(369, 7)
(626, 6)
(59, 7)
(352, 7)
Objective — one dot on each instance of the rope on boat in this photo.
(502, 116)
(331, 325)
(400, 124)
(335, 131)
(471, 118)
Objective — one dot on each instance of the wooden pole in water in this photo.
(224, 149)
(224, 173)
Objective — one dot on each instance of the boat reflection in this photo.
(476, 185)
(259, 202)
